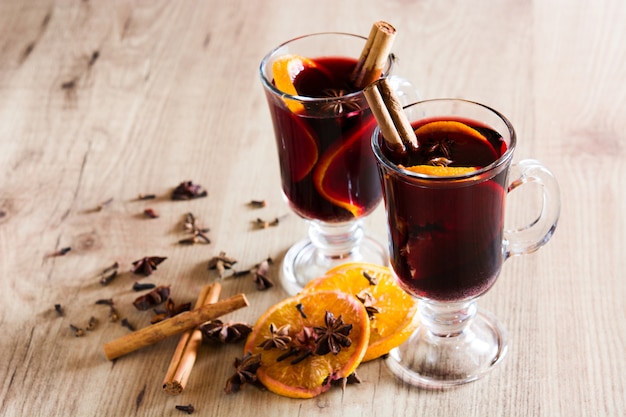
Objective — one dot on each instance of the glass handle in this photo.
(404, 89)
(534, 235)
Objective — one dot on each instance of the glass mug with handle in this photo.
(445, 205)
(322, 127)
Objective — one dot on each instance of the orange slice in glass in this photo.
(440, 171)
(330, 177)
(462, 135)
(395, 317)
(285, 69)
(307, 377)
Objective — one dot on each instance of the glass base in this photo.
(437, 361)
(308, 259)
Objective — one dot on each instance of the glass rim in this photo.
(305, 99)
(502, 161)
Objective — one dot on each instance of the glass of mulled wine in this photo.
(445, 205)
(323, 126)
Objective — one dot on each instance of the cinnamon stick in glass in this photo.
(185, 354)
(172, 326)
(374, 55)
(393, 122)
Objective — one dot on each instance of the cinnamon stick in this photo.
(393, 122)
(374, 55)
(185, 354)
(172, 326)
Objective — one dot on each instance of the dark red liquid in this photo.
(446, 238)
(327, 166)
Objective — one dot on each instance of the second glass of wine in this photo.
(323, 126)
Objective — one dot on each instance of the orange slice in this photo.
(331, 171)
(396, 317)
(307, 377)
(462, 135)
(285, 70)
(440, 171)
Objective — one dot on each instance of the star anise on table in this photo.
(187, 190)
(216, 330)
(279, 338)
(147, 265)
(171, 310)
(332, 337)
(261, 276)
(153, 298)
(245, 372)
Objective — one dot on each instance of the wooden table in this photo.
(102, 101)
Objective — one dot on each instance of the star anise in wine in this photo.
(187, 190)
(147, 265)
(171, 310)
(339, 105)
(218, 331)
(440, 151)
(332, 337)
(368, 301)
(279, 338)
(245, 372)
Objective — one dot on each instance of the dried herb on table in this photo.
(78, 332)
(218, 331)
(60, 252)
(153, 298)
(332, 337)
(151, 213)
(105, 301)
(199, 233)
(108, 274)
(245, 372)
(264, 224)
(59, 309)
(258, 203)
(189, 409)
(187, 190)
(137, 286)
(92, 323)
(146, 265)
(260, 276)
(221, 262)
(171, 309)
(146, 196)
(127, 324)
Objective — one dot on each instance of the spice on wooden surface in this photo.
(60, 252)
(59, 309)
(218, 331)
(153, 298)
(187, 190)
(150, 213)
(147, 265)
(189, 409)
(188, 320)
(261, 276)
(171, 310)
(138, 286)
(184, 357)
(245, 372)
(221, 262)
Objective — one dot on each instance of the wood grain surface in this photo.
(101, 101)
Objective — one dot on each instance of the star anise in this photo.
(339, 105)
(147, 265)
(440, 151)
(260, 276)
(153, 298)
(332, 337)
(171, 309)
(279, 338)
(368, 301)
(216, 330)
(245, 371)
(187, 190)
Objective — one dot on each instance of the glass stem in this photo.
(447, 319)
(337, 240)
